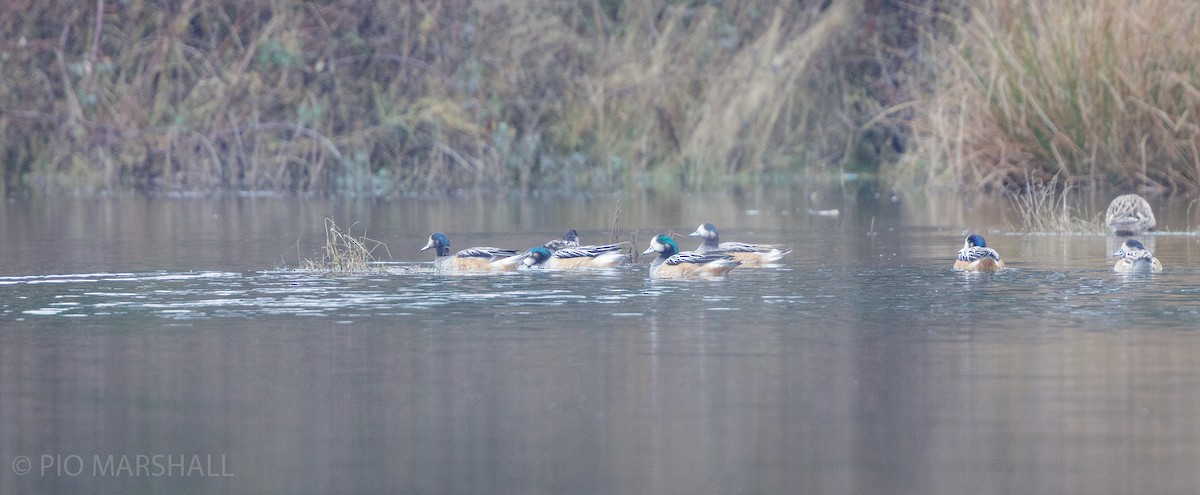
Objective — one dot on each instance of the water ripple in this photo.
(919, 297)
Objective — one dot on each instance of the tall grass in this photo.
(1045, 207)
(1103, 90)
(344, 253)
(385, 96)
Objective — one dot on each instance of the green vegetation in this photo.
(1102, 90)
(382, 97)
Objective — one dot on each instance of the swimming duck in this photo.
(476, 259)
(1136, 258)
(671, 263)
(569, 240)
(975, 256)
(751, 255)
(1129, 214)
(602, 256)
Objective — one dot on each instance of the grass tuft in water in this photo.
(1045, 209)
(345, 253)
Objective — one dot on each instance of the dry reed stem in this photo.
(1045, 209)
(345, 254)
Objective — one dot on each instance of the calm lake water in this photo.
(177, 333)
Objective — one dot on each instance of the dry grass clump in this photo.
(1103, 89)
(378, 97)
(345, 254)
(1043, 208)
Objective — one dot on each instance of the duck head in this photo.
(569, 239)
(1129, 247)
(440, 242)
(706, 231)
(975, 240)
(664, 245)
(536, 256)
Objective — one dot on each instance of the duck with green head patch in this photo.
(751, 255)
(976, 256)
(1135, 258)
(670, 263)
(601, 256)
(476, 259)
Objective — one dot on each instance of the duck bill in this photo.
(648, 250)
(428, 245)
(695, 234)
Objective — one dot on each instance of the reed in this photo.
(345, 254)
(1044, 207)
(381, 97)
(1100, 91)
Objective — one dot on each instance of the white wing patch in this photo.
(697, 258)
(588, 251)
(485, 252)
(976, 253)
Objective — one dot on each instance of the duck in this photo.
(751, 255)
(569, 240)
(670, 263)
(601, 256)
(1129, 214)
(975, 256)
(476, 259)
(1136, 258)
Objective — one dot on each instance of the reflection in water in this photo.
(863, 364)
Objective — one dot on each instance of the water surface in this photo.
(862, 364)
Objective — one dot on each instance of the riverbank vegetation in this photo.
(1103, 91)
(381, 97)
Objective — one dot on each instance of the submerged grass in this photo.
(345, 254)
